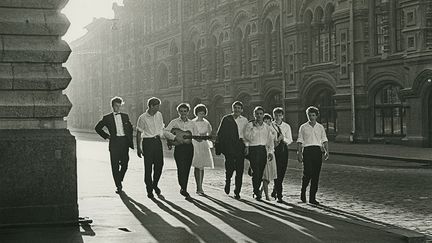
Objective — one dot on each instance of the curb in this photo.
(374, 156)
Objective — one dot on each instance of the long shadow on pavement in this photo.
(44, 234)
(161, 230)
(205, 230)
(257, 226)
(293, 225)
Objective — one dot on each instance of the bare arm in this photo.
(326, 151)
(300, 152)
(138, 142)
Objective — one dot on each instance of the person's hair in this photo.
(116, 99)
(153, 101)
(312, 109)
(200, 108)
(267, 116)
(258, 108)
(238, 103)
(278, 110)
(183, 105)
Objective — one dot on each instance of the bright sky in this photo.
(81, 12)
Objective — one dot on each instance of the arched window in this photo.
(162, 78)
(238, 37)
(268, 44)
(174, 64)
(221, 58)
(389, 112)
(247, 47)
(326, 105)
(306, 38)
(214, 57)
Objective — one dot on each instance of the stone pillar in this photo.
(38, 174)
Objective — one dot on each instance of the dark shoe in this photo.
(184, 193)
(150, 195)
(273, 195)
(157, 190)
(314, 202)
(237, 196)
(227, 187)
(303, 197)
(280, 200)
(257, 196)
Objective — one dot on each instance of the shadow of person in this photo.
(206, 231)
(161, 230)
(43, 234)
(262, 227)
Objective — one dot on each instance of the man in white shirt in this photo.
(261, 146)
(120, 140)
(183, 153)
(230, 143)
(312, 144)
(150, 127)
(284, 138)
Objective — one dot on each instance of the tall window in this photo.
(389, 112)
(382, 27)
(268, 45)
(326, 105)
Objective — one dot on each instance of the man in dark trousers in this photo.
(284, 138)
(312, 146)
(120, 140)
(150, 127)
(183, 153)
(230, 143)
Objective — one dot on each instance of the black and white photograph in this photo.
(215, 121)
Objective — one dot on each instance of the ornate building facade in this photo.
(375, 54)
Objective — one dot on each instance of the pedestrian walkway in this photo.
(380, 151)
(132, 217)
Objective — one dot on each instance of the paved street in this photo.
(392, 192)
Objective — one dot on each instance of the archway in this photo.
(162, 76)
(247, 106)
(216, 112)
(321, 96)
(273, 99)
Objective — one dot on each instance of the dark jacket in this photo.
(108, 122)
(228, 141)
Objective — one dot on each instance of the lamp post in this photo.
(352, 73)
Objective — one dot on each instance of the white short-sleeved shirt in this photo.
(150, 126)
(312, 135)
(260, 135)
(285, 129)
(187, 125)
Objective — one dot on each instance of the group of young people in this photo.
(263, 141)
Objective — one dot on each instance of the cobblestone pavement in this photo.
(392, 192)
(395, 193)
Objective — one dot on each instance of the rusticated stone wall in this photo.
(38, 181)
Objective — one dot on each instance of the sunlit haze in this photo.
(81, 13)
